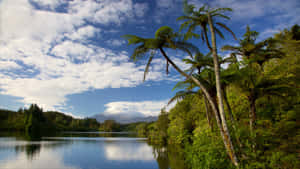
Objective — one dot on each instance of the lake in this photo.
(85, 150)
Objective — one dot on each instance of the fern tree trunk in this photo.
(233, 121)
(252, 114)
(228, 107)
(228, 142)
(224, 134)
(207, 110)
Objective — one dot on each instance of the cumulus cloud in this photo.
(84, 33)
(144, 108)
(7, 65)
(60, 77)
(49, 50)
(103, 12)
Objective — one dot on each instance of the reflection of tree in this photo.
(176, 157)
(31, 145)
(32, 151)
(161, 157)
(170, 157)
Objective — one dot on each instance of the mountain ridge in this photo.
(123, 119)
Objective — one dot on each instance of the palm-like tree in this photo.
(206, 17)
(251, 77)
(166, 38)
(199, 18)
(254, 52)
(205, 74)
(255, 85)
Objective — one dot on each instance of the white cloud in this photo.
(182, 65)
(72, 50)
(74, 116)
(61, 77)
(84, 33)
(7, 65)
(159, 64)
(103, 12)
(50, 4)
(145, 108)
(53, 67)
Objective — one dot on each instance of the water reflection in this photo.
(128, 151)
(161, 155)
(47, 159)
(69, 152)
(170, 157)
(31, 154)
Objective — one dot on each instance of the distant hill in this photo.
(36, 119)
(124, 119)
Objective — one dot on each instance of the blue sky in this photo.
(69, 55)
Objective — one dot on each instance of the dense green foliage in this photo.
(267, 82)
(110, 126)
(259, 87)
(34, 120)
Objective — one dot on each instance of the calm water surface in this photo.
(79, 150)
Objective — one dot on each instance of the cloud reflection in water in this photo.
(47, 159)
(129, 151)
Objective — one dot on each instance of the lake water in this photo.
(84, 150)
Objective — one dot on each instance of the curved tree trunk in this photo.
(224, 133)
(219, 91)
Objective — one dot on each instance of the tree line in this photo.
(35, 120)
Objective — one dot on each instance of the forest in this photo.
(243, 114)
(35, 120)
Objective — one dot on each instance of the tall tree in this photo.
(166, 38)
(206, 17)
(252, 78)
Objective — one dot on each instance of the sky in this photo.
(69, 55)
